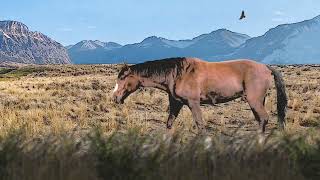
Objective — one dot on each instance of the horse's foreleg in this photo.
(197, 115)
(174, 109)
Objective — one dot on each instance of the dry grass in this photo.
(58, 122)
(54, 99)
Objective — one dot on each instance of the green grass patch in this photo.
(24, 71)
(5, 70)
(9, 73)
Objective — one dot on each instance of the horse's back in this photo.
(256, 77)
(245, 64)
(239, 68)
(248, 69)
(232, 75)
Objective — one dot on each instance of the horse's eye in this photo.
(129, 84)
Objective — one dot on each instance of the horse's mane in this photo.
(160, 67)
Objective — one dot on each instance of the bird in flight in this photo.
(242, 15)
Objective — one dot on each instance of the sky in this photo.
(130, 21)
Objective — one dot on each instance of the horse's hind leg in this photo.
(260, 113)
(174, 109)
(256, 115)
(256, 98)
(197, 115)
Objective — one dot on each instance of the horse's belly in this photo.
(216, 98)
(223, 99)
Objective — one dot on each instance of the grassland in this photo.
(54, 118)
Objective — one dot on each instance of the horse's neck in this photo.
(159, 83)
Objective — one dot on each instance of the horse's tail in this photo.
(282, 99)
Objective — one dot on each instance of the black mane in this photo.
(158, 67)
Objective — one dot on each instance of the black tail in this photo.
(282, 99)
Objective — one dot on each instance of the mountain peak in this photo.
(85, 41)
(13, 27)
(223, 37)
(317, 18)
(88, 45)
(85, 45)
(99, 42)
(226, 31)
(18, 44)
(151, 39)
(221, 30)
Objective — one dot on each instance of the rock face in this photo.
(18, 44)
(206, 46)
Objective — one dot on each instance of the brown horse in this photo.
(193, 82)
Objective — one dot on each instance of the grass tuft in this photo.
(159, 156)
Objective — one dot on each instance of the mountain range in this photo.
(295, 43)
(219, 42)
(20, 45)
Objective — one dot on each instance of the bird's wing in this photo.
(242, 15)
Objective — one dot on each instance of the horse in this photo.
(195, 82)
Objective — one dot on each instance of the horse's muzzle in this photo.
(117, 100)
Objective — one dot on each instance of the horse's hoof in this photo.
(202, 131)
(171, 130)
(261, 138)
(169, 125)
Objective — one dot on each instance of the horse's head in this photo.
(126, 84)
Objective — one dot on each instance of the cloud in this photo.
(92, 27)
(282, 17)
(279, 13)
(65, 29)
(278, 19)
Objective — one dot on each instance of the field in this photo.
(50, 99)
(44, 106)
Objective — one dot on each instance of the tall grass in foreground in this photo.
(131, 155)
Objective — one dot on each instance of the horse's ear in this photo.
(122, 66)
(125, 66)
(125, 69)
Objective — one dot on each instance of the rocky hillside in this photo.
(20, 45)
